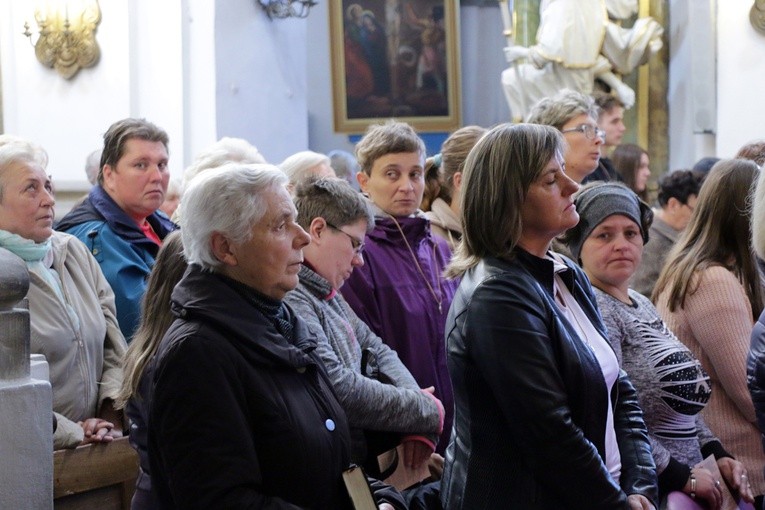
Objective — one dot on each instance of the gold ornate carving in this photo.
(757, 16)
(67, 40)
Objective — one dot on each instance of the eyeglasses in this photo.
(358, 246)
(590, 132)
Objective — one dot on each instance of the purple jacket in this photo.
(390, 294)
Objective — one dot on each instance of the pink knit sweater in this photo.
(715, 325)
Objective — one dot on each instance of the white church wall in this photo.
(140, 74)
(740, 77)
(735, 54)
(261, 78)
(67, 117)
(198, 69)
(199, 104)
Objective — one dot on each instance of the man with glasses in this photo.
(575, 115)
(384, 404)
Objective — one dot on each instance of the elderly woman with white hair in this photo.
(224, 151)
(304, 164)
(242, 413)
(72, 313)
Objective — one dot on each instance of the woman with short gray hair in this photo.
(576, 116)
(239, 392)
(384, 404)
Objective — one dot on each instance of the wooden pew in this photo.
(95, 476)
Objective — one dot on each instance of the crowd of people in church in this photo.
(523, 320)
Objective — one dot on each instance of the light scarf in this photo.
(39, 259)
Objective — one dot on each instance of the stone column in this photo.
(26, 437)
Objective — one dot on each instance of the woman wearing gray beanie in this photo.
(672, 386)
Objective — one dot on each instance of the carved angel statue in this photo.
(577, 42)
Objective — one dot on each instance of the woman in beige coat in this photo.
(71, 305)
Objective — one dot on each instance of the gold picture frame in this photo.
(395, 58)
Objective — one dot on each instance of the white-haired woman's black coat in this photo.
(240, 417)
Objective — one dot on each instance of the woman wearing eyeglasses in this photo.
(576, 116)
(383, 402)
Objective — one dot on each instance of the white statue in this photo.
(577, 42)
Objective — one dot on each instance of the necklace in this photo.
(439, 299)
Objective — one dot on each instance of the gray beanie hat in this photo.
(598, 201)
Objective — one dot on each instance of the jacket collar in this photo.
(315, 283)
(415, 227)
(663, 228)
(543, 270)
(99, 206)
(204, 296)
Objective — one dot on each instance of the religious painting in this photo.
(395, 58)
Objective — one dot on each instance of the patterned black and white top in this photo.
(672, 386)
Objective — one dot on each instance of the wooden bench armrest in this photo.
(94, 466)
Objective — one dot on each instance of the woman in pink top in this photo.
(709, 294)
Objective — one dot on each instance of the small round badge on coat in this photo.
(329, 424)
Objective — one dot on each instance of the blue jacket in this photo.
(125, 254)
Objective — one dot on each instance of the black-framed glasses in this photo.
(358, 246)
(590, 131)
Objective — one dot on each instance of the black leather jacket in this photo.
(755, 372)
(531, 400)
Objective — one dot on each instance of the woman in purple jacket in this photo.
(400, 291)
